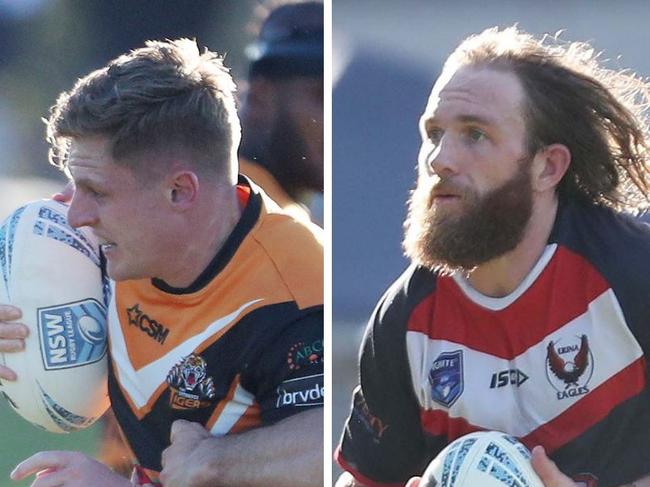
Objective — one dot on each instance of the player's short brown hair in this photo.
(600, 114)
(162, 99)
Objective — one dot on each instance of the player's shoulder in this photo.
(294, 248)
(394, 309)
(617, 246)
(611, 241)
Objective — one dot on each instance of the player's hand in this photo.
(67, 469)
(414, 482)
(65, 196)
(548, 471)
(178, 468)
(12, 336)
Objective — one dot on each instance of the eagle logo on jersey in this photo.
(191, 387)
(569, 366)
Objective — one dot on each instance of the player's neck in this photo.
(501, 276)
(201, 243)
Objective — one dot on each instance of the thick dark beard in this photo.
(281, 149)
(488, 227)
(287, 152)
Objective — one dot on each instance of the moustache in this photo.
(443, 187)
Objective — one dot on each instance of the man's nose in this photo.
(82, 211)
(442, 159)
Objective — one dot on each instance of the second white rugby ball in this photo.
(53, 273)
(482, 459)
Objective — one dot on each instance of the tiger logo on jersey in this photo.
(191, 387)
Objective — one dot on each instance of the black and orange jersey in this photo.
(240, 348)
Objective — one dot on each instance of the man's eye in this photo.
(95, 193)
(434, 135)
(476, 135)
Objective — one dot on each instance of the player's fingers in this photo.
(178, 426)
(548, 471)
(9, 313)
(17, 331)
(49, 478)
(9, 346)
(7, 374)
(414, 482)
(66, 195)
(40, 461)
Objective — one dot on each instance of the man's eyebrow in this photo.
(426, 122)
(478, 119)
(84, 181)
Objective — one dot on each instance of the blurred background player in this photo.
(282, 111)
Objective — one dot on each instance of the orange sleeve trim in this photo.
(250, 419)
(222, 404)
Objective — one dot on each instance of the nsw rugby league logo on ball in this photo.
(191, 387)
(446, 378)
(72, 334)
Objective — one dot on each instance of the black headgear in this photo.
(289, 48)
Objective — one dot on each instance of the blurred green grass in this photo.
(19, 440)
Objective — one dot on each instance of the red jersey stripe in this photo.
(591, 409)
(508, 332)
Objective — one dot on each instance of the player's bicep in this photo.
(383, 440)
(290, 372)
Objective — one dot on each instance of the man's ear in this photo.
(549, 166)
(182, 189)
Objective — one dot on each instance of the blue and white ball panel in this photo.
(487, 458)
(53, 273)
(7, 237)
(54, 225)
(64, 419)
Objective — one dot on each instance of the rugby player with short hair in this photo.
(527, 305)
(282, 130)
(229, 388)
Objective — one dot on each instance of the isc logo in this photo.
(513, 377)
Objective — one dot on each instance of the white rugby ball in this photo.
(482, 459)
(52, 272)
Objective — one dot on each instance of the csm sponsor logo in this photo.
(301, 392)
(512, 377)
(72, 334)
(446, 378)
(569, 366)
(191, 387)
(374, 424)
(302, 354)
(151, 327)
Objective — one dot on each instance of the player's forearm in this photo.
(288, 453)
(642, 482)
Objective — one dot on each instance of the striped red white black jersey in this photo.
(560, 362)
(240, 348)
